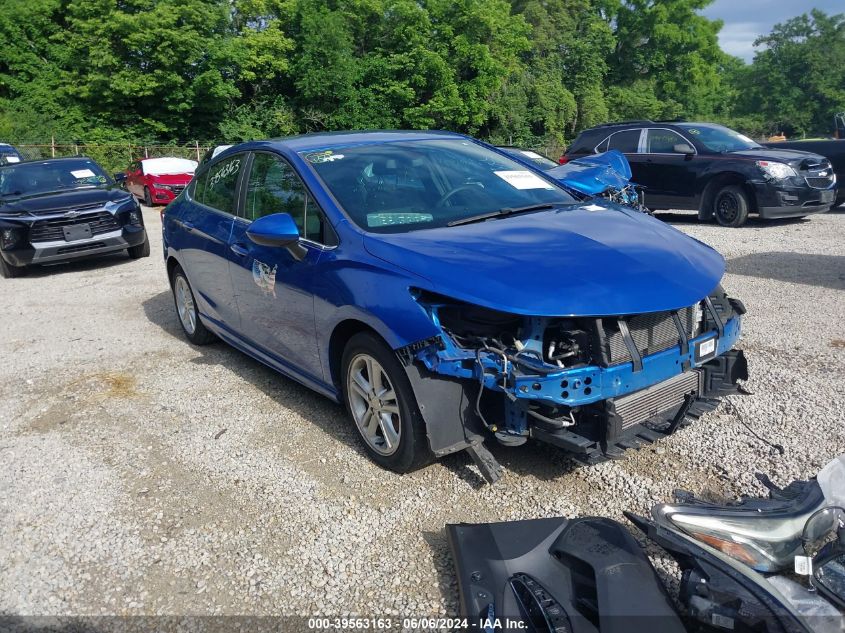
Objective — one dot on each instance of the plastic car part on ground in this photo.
(824, 617)
(558, 575)
(719, 591)
(585, 575)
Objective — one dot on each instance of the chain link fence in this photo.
(115, 157)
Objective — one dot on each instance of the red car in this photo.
(159, 180)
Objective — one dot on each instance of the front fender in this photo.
(370, 292)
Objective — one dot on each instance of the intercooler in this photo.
(641, 406)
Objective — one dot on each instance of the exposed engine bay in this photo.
(594, 386)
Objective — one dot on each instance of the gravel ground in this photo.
(141, 475)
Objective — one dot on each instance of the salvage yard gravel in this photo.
(143, 475)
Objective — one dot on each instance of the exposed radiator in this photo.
(652, 332)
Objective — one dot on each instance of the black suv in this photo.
(714, 170)
(61, 209)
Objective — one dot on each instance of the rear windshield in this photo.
(411, 185)
(33, 178)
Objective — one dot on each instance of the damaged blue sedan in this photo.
(448, 296)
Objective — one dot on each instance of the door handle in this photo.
(188, 226)
(237, 249)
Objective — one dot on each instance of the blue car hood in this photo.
(593, 175)
(591, 260)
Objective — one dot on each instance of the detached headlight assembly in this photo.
(766, 545)
(776, 171)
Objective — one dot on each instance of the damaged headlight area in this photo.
(591, 385)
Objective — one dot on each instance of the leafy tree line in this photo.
(530, 72)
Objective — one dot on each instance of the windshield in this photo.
(526, 155)
(411, 185)
(9, 155)
(27, 179)
(719, 139)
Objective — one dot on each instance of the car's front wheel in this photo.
(381, 402)
(140, 250)
(148, 197)
(7, 270)
(186, 309)
(730, 206)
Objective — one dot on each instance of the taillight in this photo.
(563, 159)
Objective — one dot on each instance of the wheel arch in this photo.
(340, 336)
(724, 179)
(171, 265)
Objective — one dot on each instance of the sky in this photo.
(745, 20)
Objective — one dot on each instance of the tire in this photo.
(148, 198)
(364, 353)
(186, 310)
(8, 271)
(730, 206)
(140, 250)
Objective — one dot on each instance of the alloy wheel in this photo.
(374, 405)
(185, 304)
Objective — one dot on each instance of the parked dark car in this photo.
(61, 209)
(9, 154)
(449, 295)
(714, 170)
(832, 149)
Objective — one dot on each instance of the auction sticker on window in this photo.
(523, 179)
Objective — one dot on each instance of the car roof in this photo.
(321, 140)
(62, 159)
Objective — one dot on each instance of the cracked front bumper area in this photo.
(593, 409)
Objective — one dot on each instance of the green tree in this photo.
(666, 52)
(797, 82)
(147, 66)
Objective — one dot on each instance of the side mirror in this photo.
(119, 178)
(683, 148)
(277, 230)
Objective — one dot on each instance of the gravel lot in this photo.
(141, 475)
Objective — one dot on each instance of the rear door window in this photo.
(221, 181)
(660, 141)
(627, 142)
